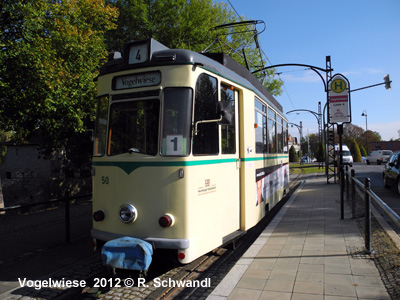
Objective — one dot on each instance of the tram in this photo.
(190, 150)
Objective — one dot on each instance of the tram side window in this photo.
(260, 127)
(271, 131)
(99, 147)
(228, 142)
(205, 142)
(285, 137)
(177, 115)
(279, 133)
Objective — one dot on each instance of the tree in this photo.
(293, 155)
(50, 54)
(312, 142)
(355, 132)
(355, 151)
(185, 24)
(363, 151)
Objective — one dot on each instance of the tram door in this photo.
(219, 180)
(230, 148)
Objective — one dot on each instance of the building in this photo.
(390, 145)
(29, 177)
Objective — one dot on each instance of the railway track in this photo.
(182, 282)
(160, 284)
(189, 277)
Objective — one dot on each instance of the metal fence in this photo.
(350, 184)
(67, 203)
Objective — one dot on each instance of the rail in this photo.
(67, 201)
(368, 194)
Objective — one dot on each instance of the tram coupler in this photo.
(127, 253)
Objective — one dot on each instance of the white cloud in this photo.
(386, 130)
(308, 76)
(363, 72)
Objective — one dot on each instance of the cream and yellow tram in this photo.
(190, 150)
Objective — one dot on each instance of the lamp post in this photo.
(364, 114)
(300, 128)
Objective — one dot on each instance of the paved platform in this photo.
(307, 252)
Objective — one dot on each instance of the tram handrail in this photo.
(390, 212)
(51, 201)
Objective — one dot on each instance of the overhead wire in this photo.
(268, 60)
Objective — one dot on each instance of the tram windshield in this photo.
(177, 113)
(134, 127)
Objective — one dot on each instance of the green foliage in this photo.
(363, 151)
(4, 137)
(297, 168)
(321, 153)
(186, 24)
(51, 51)
(293, 155)
(355, 151)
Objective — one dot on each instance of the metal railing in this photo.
(67, 204)
(368, 194)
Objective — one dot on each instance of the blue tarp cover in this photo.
(127, 253)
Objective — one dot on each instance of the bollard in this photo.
(367, 200)
(353, 194)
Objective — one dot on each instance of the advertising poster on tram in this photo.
(269, 180)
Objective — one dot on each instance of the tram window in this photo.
(134, 127)
(285, 137)
(279, 133)
(271, 131)
(206, 99)
(99, 147)
(260, 127)
(228, 142)
(177, 116)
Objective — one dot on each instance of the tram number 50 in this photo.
(105, 180)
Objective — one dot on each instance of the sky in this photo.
(361, 36)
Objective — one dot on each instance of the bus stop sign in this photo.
(339, 108)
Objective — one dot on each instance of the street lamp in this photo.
(364, 114)
(300, 128)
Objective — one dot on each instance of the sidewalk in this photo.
(306, 252)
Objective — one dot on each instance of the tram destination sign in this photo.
(339, 100)
(132, 81)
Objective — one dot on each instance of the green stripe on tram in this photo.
(129, 167)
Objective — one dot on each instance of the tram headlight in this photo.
(127, 213)
(166, 220)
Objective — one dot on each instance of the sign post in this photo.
(339, 112)
(339, 109)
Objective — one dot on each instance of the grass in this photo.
(305, 168)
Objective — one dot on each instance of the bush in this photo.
(293, 155)
(355, 151)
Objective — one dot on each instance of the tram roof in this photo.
(219, 63)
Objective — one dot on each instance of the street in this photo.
(389, 196)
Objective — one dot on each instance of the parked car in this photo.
(379, 156)
(347, 157)
(391, 173)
